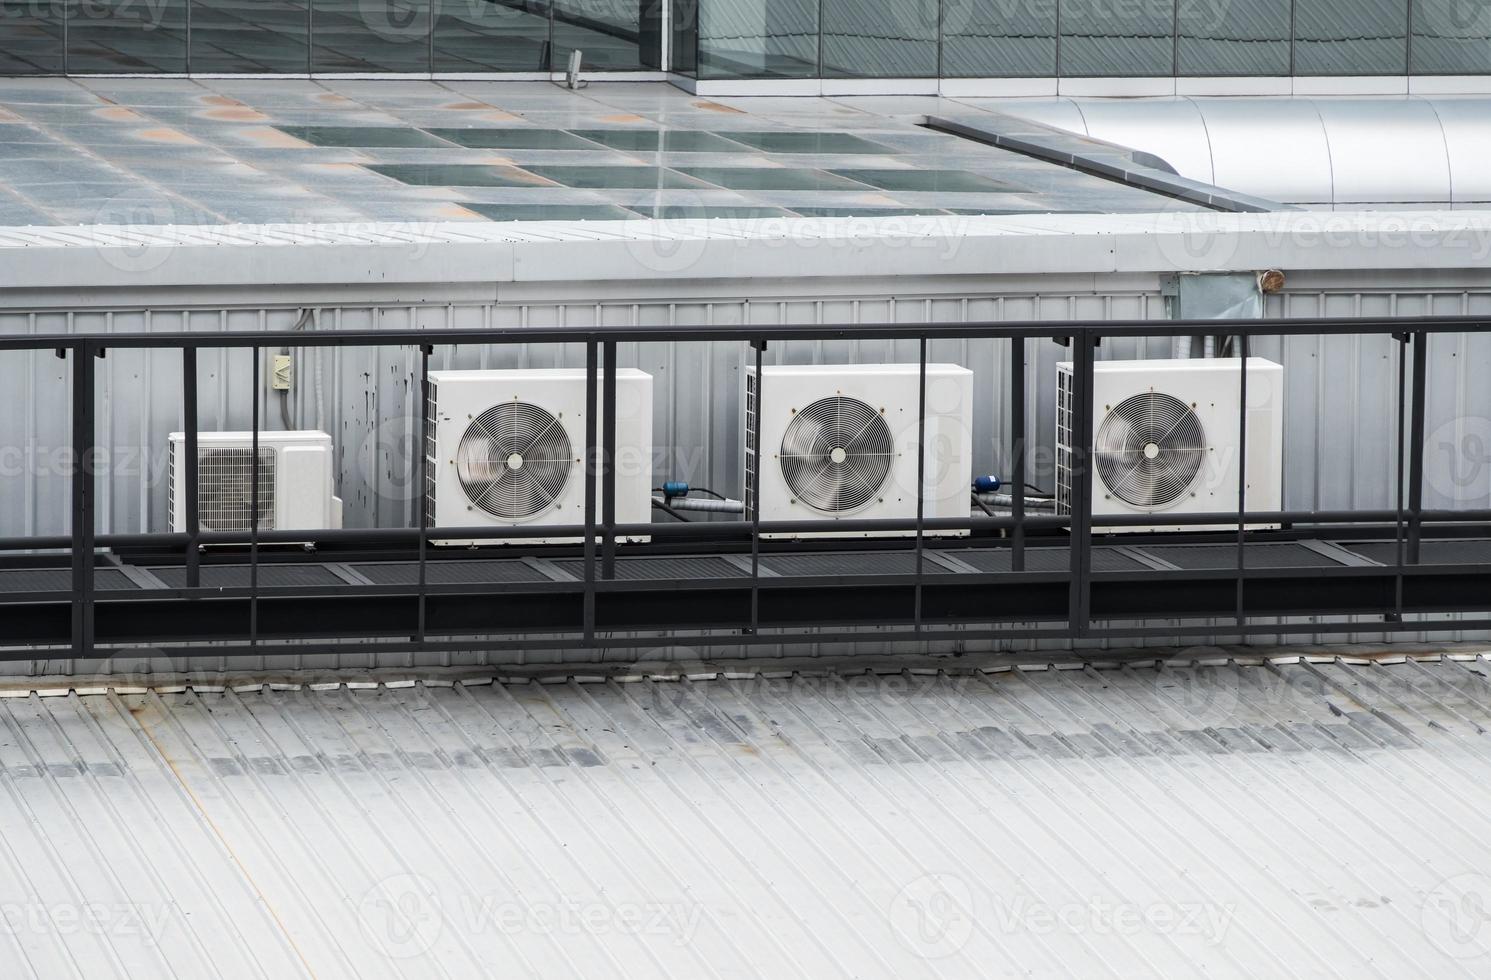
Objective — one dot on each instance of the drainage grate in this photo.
(655, 569)
(1476, 551)
(1197, 557)
(1045, 560)
(60, 580)
(853, 563)
(497, 571)
(237, 576)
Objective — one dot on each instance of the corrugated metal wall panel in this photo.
(1339, 392)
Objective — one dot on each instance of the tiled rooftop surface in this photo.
(141, 151)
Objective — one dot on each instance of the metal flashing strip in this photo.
(1131, 167)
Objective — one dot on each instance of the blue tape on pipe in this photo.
(987, 484)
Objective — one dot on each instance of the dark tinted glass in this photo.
(998, 38)
(492, 35)
(885, 39)
(30, 37)
(758, 38)
(370, 35)
(615, 35)
(254, 36)
(108, 36)
(1362, 37)
(684, 19)
(1451, 37)
(1132, 37)
(1242, 37)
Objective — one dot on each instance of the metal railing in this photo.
(1404, 524)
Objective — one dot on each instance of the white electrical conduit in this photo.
(1007, 500)
(703, 504)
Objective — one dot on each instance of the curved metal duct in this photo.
(1316, 152)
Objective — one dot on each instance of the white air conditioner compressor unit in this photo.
(1165, 439)
(506, 448)
(295, 481)
(838, 442)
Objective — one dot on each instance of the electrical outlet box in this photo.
(281, 372)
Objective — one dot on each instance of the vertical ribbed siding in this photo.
(365, 397)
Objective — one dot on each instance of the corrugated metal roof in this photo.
(1288, 817)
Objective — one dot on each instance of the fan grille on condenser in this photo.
(514, 460)
(836, 454)
(1149, 449)
(225, 478)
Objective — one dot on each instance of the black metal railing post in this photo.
(1400, 529)
(1083, 370)
(84, 501)
(421, 487)
(1017, 463)
(921, 477)
(591, 402)
(759, 346)
(1242, 477)
(608, 465)
(254, 503)
(1416, 452)
(190, 464)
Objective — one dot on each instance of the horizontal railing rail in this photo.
(754, 611)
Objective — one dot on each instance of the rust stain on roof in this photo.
(716, 107)
(222, 100)
(118, 113)
(517, 173)
(499, 115)
(623, 117)
(457, 212)
(467, 106)
(332, 98)
(164, 134)
(239, 113)
(266, 136)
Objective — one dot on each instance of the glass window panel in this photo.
(1451, 37)
(549, 212)
(1359, 37)
(885, 39)
(801, 141)
(1243, 37)
(615, 35)
(998, 38)
(770, 179)
(363, 136)
(370, 35)
(603, 177)
(684, 21)
(492, 35)
(30, 37)
(109, 36)
(1125, 38)
(758, 38)
(253, 36)
(659, 141)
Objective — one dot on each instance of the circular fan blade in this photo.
(836, 454)
(1149, 449)
(514, 460)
